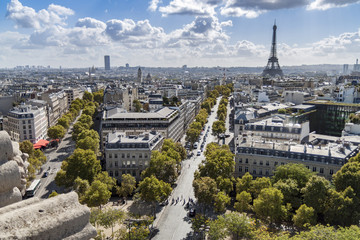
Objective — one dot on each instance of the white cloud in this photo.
(90, 23)
(26, 17)
(153, 5)
(326, 4)
(189, 7)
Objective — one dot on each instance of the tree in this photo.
(165, 101)
(238, 226)
(243, 201)
(162, 166)
(221, 200)
(153, 190)
(217, 229)
(105, 178)
(181, 150)
(86, 121)
(88, 97)
(315, 193)
(268, 205)
(88, 133)
(89, 110)
(53, 194)
(78, 128)
(298, 172)
(224, 184)
(218, 128)
(222, 117)
(244, 183)
(81, 186)
(348, 175)
(109, 217)
(291, 192)
(192, 135)
(56, 132)
(205, 190)
(82, 163)
(97, 194)
(128, 185)
(137, 105)
(282, 111)
(64, 121)
(196, 125)
(99, 96)
(88, 143)
(27, 147)
(258, 184)
(219, 162)
(304, 217)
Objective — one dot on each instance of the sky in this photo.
(172, 33)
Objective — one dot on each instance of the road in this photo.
(173, 221)
(53, 164)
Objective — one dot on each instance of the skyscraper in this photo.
(107, 62)
(273, 68)
(139, 78)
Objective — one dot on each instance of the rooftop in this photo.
(119, 113)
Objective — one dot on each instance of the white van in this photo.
(196, 144)
(198, 153)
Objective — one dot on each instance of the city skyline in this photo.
(172, 33)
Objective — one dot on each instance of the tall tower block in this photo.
(139, 76)
(107, 62)
(273, 68)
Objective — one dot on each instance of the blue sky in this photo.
(156, 33)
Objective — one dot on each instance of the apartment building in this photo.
(130, 154)
(26, 122)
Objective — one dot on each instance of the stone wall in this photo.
(60, 217)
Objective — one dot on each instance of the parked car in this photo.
(45, 174)
(198, 153)
(192, 212)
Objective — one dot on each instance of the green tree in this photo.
(86, 120)
(244, 183)
(224, 184)
(282, 111)
(205, 190)
(298, 172)
(64, 121)
(218, 128)
(88, 110)
(110, 217)
(82, 163)
(98, 96)
(243, 201)
(315, 193)
(27, 147)
(88, 97)
(78, 128)
(153, 190)
(238, 226)
(268, 205)
(104, 177)
(40, 156)
(222, 117)
(97, 194)
(217, 230)
(348, 175)
(258, 184)
(221, 200)
(137, 105)
(53, 194)
(81, 186)
(196, 125)
(88, 143)
(88, 133)
(192, 135)
(304, 217)
(162, 166)
(292, 194)
(128, 185)
(56, 132)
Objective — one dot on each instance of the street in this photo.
(53, 164)
(173, 221)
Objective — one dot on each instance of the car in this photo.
(45, 174)
(198, 153)
(192, 212)
(196, 145)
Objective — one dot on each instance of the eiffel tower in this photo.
(273, 68)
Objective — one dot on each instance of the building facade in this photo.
(130, 154)
(26, 122)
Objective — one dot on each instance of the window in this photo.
(240, 169)
(267, 163)
(321, 170)
(24, 126)
(282, 163)
(110, 173)
(254, 172)
(133, 156)
(24, 122)
(110, 164)
(29, 121)
(246, 169)
(24, 131)
(261, 162)
(116, 163)
(247, 161)
(128, 155)
(240, 160)
(110, 155)
(275, 163)
(134, 173)
(267, 172)
(314, 169)
(140, 155)
(115, 155)
(146, 156)
(116, 173)
(260, 172)
(29, 126)
(30, 132)
(331, 172)
(123, 155)
(254, 162)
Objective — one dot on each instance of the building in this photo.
(107, 62)
(57, 105)
(139, 76)
(165, 121)
(26, 122)
(130, 154)
(73, 93)
(260, 157)
(296, 97)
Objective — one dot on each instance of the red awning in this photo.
(41, 143)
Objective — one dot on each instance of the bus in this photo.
(30, 192)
